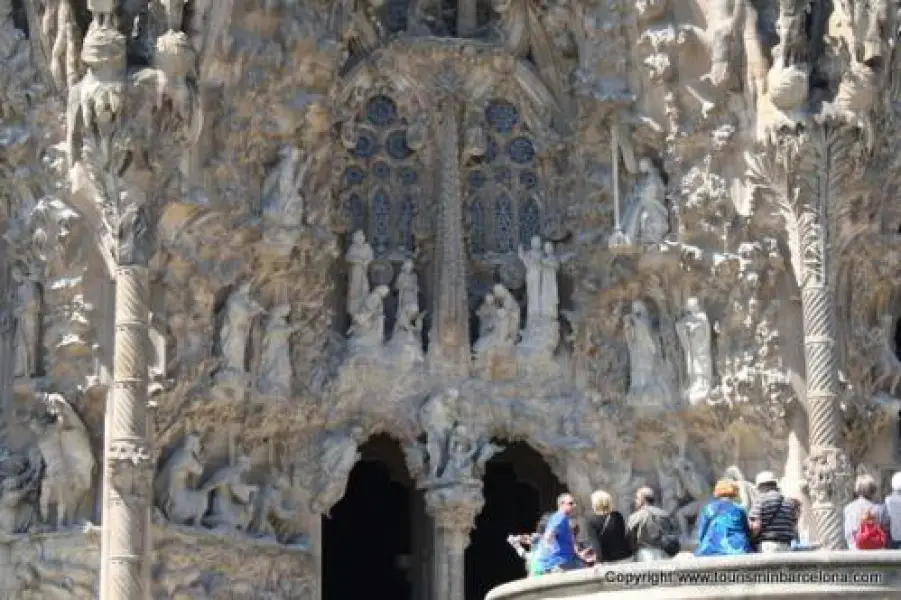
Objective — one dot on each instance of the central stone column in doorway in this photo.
(453, 508)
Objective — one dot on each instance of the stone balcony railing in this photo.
(850, 575)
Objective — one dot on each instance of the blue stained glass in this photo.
(477, 227)
(367, 146)
(396, 145)
(354, 175)
(504, 232)
(528, 179)
(502, 116)
(477, 179)
(381, 170)
(381, 219)
(521, 151)
(381, 111)
(407, 175)
(405, 226)
(530, 220)
(503, 175)
(491, 151)
(357, 211)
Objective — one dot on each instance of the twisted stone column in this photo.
(128, 467)
(449, 336)
(453, 508)
(827, 468)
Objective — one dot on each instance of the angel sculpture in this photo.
(340, 454)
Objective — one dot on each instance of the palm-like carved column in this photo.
(808, 175)
(121, 131)
(453, 510)
(449, 335)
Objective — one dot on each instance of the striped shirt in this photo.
(778, 517)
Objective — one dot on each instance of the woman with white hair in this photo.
(606, 530)
(866, 521)
(893, 507)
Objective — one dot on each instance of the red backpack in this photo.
(870, 534)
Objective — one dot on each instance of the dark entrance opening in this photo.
(368, 546)
(896, 342)
(519, 488)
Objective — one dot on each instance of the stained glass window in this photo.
(504, 232)
(357, 210)
(381, 219)
(502, 116)
(477, 226)
(367, 145)
(381, 111)
(529, 220)
(405, 223)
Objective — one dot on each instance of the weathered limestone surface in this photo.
(238, 239)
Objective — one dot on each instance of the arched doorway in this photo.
(519, 487)
(370, 545)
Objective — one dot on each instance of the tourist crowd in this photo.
(730, 523)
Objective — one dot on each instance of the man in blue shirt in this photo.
(557, 550)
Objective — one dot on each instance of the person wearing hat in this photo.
(773, 517)
(723, 523)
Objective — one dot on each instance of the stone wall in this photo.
(320, 218)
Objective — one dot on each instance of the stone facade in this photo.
(239, 239)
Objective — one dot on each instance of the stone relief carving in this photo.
(20, 481)
(339, 455)
(646, 219)
(367, 332)
(232, 498)
(28, 324)
(176, 486)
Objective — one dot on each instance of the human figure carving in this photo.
(407, 285)
(28, 315)
(648, 380)
(340, 452)
(533, 259)
(511, 316)
(368, 328)
(65, 447)
(647, 218)
(271, 511)
(19, 485)
(232, 498)
(406, 339)
(437, 417)
(550, 300)
(467, 455)
(175, 486)
(358, 256)
(275, 368)
(282, 198)
(240, 311)
(694, 334)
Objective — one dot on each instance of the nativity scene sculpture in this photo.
(651, 385)
(695, 336)
(69, 466)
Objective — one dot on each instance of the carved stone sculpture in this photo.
(406, 339)
(240, 311)
(28, 315)
(358, 257)
(232, 501)
(437, 417)
(176, 487)
(467, 455)
(65, 447)
(368, 328)
(340, 452)
(275, 371)
(694, 333)
(20, 480)
(649, 382)
(407, 285)
(272, 510)
(550, 299)
(282, 196)
(532, 259)
(646, 220)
